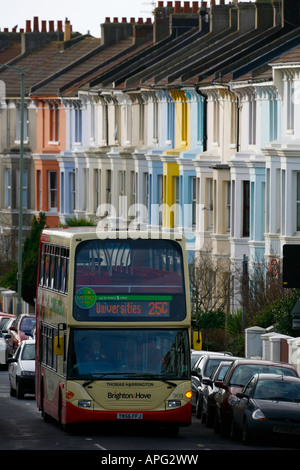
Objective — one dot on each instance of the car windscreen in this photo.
(28, 353)
(243, 372)
(277, 390)
(27, 323)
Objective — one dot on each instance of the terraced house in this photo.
(188, 121)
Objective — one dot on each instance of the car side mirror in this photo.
(207, 382)
(220, 384)
(12, 359)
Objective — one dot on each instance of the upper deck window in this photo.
(125, 274)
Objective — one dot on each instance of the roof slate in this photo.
(41, 63)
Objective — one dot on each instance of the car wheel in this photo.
(20, 393)
(209, 419)
(12, 391)
(246, 437)
(203, 416)
(234, 431)
(217, 424)
(198, 408)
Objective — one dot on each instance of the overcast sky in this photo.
(84, 15)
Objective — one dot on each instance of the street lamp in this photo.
(19, 275)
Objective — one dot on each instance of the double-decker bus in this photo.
(113, 327)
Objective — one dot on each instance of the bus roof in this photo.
(69, 232)
(58, 234)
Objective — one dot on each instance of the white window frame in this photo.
(52, 191)
(227, 205)
(7, 188)
(54, 124)
(25, 126)
(194, 201)
(298, 201)
(25, 189)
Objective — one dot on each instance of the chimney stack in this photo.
(67, 32)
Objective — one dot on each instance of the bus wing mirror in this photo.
(59, 341)
(58, 345)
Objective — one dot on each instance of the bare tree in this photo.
(210, 280)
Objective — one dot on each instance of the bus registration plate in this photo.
(130, 416)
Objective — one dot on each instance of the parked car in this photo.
(6, 326)
(3, 352)
(203, 369)
(5, 320)
(267, 407)
(237, 376)
(21, 370)
(209, 391)
(196, 354)
(19, 331)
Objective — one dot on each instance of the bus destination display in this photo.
(123, 306)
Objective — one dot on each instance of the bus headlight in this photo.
(174, 403)
(84, 403)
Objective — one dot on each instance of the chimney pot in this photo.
(160, 4)
(170, 4)
(36, 24)
(140, 20)
(107, 19)
(124, 20)
(177, 7)
(186, 7)
(28, 26)
(115, 20)
(148, 21)
(132, 20)
(51, 25)
(195, 7)
(59, 26)
(44, 26)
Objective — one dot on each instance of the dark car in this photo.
(209, 391)
(19, 331)
(268, 407)
(237, 376)
(203, 369)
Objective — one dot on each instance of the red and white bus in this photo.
(113, 327)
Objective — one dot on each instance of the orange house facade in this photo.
(51, 141)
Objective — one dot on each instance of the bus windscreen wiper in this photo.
(99, 376)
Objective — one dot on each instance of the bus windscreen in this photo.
(130, 280)
(128, 353)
